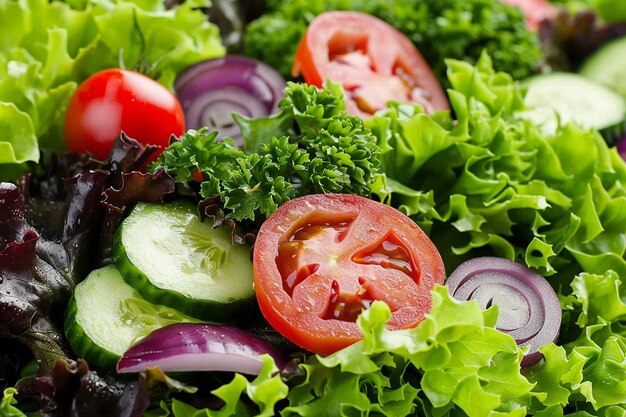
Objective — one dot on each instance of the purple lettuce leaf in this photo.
(83, 202)
(31, 290)
(567, 40)
(72, 389)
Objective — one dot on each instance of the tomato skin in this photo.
(364, 249)
(535, 11)
(373, 61)
(116, 100)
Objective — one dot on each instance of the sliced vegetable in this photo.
(606, 66)
(320, 260)
(199, 347)
(440, 29)
(173, 259)
(529, 309)
(212, 90)
(621, 147)
(563, 98)
(106, 316)
(373, 61)
(114, 101)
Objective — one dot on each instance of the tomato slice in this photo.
(320, 260)
(373, 61)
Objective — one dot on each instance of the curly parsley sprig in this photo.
(311, 146)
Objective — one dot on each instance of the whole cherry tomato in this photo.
(114, 101)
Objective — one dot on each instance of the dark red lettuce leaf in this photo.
(568, 40)
(72, 389)
(37, 274)
(211, 208)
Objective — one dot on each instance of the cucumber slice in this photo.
(606, 66)
(105, 316)
(567, 97)
(173, 259)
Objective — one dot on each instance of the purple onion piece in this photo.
(621, 147)
(187, 347)
(529, 309)
(211, 90)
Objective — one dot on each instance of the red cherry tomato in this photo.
(373, 61)
(116, 100)
(320, 260)
(534, 10)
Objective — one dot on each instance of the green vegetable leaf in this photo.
(19, 144)
(450, 360)
(48, 47)
(7, 404)
(600, 297)
(499, 185)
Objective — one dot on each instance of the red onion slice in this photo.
(211, 90)
(621, 147)
(529, 309)
(186, 347)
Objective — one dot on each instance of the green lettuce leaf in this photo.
(241, 396)
(497, 185)
(454, 360)
(454, 363)
(47, 48)
(494, 184)
(7, 404)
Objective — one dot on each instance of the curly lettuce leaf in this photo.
(499, 185)
(492, 183)
(453, 362)
(7, 404)
(47, 48)
(588, 373)
(240, 397)
(19, 143)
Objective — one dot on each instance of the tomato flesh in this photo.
(373, 61)
(114, 101)
(320, 260)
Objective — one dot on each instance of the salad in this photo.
(312, 208)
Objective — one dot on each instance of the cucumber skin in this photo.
(82, 345)
(205, 310)
(612, 133)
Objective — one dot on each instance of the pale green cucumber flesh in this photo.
(564, 97)
(106, 316)
(606, 65)
(174, 259)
